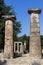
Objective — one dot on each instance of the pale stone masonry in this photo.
(18, 47)
(8, 48)
(35, 43)
(25, 45)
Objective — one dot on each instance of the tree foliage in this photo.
(23, 39)
(7, 10)
(27, 39)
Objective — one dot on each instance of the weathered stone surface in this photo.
(35, 30)
(19, 47)
(25, 60)
(34, 34)
(35, 43)
(34, 10)
(42, 50)
(8, 48)
(24, 45)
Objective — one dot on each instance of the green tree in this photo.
(7, 10)
(25, 38)
(17, 29)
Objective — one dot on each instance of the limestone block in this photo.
(35, 34)
(34, 30)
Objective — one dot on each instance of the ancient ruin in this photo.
(18, 47)
(35, 43)
(34, 55)
(8, 36)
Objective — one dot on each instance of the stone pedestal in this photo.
(35, 43)
(8, 48)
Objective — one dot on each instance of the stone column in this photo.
(14, 47)
(25, 45)
(8, 48)
(21, 48)
(35, 43)
(18, 46)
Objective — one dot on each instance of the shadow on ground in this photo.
(3, 62)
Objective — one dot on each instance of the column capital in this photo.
(9, 17)
(34, 10)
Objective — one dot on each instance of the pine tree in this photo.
(7, 10)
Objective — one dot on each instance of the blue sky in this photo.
(21, 9)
